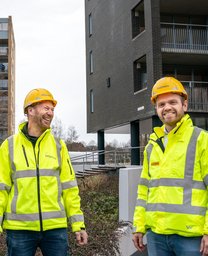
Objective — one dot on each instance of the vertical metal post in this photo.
(115, 159)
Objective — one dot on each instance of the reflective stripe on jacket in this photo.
(38, 188)
(172, 191)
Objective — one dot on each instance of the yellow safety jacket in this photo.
(38, 188)
(172, 191)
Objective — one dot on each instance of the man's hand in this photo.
(81, 237)
(138, 241)
(204, 245)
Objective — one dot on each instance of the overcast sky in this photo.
(50, 53)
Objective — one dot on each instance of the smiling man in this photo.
(172, 191)
(38, 188)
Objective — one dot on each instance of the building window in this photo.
(108, 82)
(137, 16)
(4, 26)
(90, 24)
(140, 74)
(91, 101)
(91, 62)
(3, 84)
(3, 51)
(186, 72)
(201, 122)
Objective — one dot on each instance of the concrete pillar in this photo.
(135, 152)
(101, 147)
(128, 183)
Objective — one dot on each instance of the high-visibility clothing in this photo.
(172, 191)
(38, 188)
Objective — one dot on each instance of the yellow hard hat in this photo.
(38, 95)
(167, 85)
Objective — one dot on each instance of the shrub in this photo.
(99, 197)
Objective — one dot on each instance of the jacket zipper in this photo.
(69, 166)
(38, 184)
(25, 155)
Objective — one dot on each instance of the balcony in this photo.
(3, 85)
(197, 95)
(3, 51)
(184, 38)
(3, 34)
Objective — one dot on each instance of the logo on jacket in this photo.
(189, 227)
(155, 163)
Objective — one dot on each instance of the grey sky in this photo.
(50, 53)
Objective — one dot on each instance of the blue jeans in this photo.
(172, 245)
(24, 243)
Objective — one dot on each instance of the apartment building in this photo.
(129, 46)
(7, 78)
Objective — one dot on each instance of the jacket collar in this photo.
(180, 126)
(22, 130)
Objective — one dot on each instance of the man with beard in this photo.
(172, 196)
(38, 188)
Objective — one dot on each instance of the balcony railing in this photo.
(197, 95)
(113, 158)
(3, 84)
(3, 51)
(187, 38)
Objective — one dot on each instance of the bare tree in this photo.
(92, 145)
(57, 128)
(114, 144)
(71, 135)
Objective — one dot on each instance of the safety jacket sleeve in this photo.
(142, 192)
(70, 191)
(5, 179)
(203, 140)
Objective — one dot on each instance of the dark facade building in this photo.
(7, 78)
(130, 45)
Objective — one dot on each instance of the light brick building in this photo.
(7, 78)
